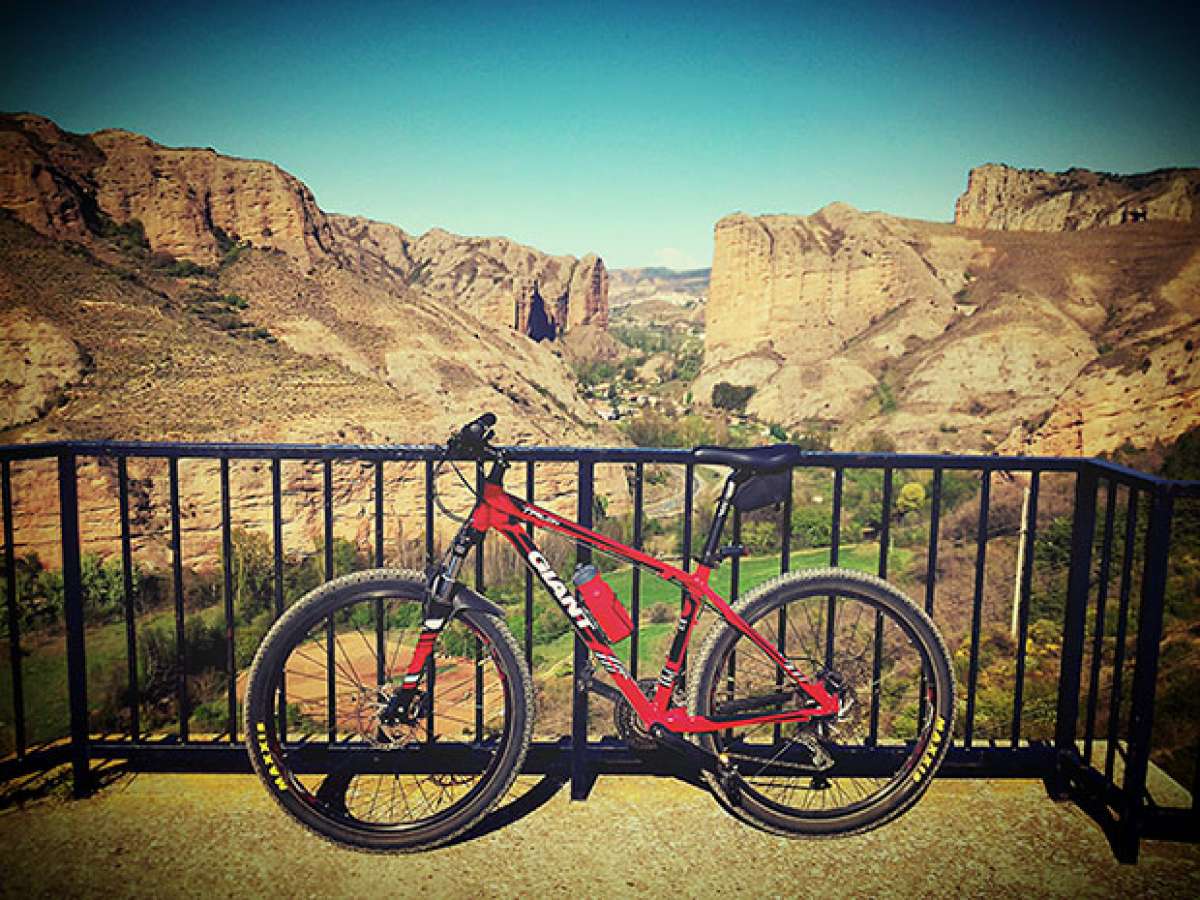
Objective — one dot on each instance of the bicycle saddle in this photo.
(757, 459)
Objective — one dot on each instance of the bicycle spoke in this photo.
(777, 761)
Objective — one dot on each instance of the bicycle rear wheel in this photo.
(872, 647)
(319, 682)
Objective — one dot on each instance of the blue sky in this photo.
(624, 129)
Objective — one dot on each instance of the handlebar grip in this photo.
(474, 434)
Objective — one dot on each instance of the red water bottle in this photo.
(603, 604)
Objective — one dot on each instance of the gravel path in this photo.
(220, 836)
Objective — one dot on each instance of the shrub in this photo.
(733, 397)
(887, 400)
(660, 613)
(812, 526)
(910, 499)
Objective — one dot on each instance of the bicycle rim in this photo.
(348, 768)
(858, 763)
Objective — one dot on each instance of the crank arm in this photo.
(702, 759)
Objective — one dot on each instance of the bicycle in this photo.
(822, 703)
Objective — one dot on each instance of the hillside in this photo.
(158, 294)
(1009, 199)
(935, 336)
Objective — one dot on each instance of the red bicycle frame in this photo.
(496, 509)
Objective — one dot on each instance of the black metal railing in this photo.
(1090, 740)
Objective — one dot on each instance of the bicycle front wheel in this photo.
(315, 692)
(869, 645)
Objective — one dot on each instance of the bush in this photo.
(887, 400)
(594, 372)
(130, 236)
(660, 613)
(879, 442)
(812, 526)
(652, 428)
(910, 499)
(732, 397)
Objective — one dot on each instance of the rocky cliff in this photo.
(1005, 198)
(287, 324)
(195, 204)
(943, 337)
(496, 278)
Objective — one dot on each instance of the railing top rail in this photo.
(1135, 478)
(402, 452)
(828, 459)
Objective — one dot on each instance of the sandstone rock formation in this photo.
(196, 204)
(943, 337)
(1005, 198)
(795, 302)
(320, 328)
(38, 362)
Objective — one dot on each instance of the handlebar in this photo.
(474, 438)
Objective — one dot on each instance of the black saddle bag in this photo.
(758, 491)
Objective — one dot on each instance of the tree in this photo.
(910, 499)
(732, 397)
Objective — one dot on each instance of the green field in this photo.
(653, 636)
(44, 667)
(754, 571)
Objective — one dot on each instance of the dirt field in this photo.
(220, 835)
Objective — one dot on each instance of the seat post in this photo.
(709, 556)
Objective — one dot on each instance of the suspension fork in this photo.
(436, 611)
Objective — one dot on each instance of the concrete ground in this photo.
(221, 836)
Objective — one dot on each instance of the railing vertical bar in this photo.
(330, 635)
(227, 573)
(378, 514)
(835, 545)
(1089, 730)
(68, 506)
(885, 524)
(735, 570)
(429, 491)
(1083, 530)
(785, 565)
(931, 559)
(481, 587)
(14, 622)
(785, 529)
(885, 533)
(529, 496)
(581, 774)
(835, 525)
(380, 622)
(181, 692)
(131, 659)
(277, 553)
(688, 502)
(1128, 552)
(635, 600)
(327, 509)
(935, 516)
(688, 498)
(985, 491)
(430, 666)
(1023, 611)
(1145, 672)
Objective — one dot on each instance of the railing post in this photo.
(68, 500)
(1145, 673)
(582, 776)
(1082, 533)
